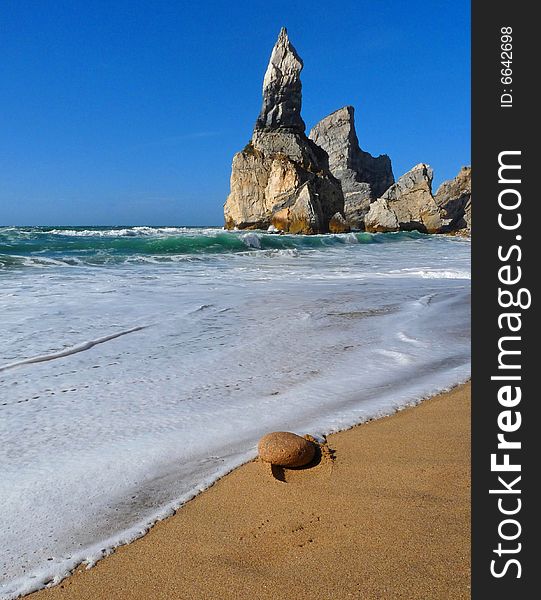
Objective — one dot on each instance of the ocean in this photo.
(140, 364)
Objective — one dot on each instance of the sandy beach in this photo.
(388, 518)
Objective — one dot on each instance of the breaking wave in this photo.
(55, 246)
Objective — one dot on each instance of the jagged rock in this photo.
(282, 178)
(285, 449)
(380, 218)
(411, 202)
(363, 176)
(454, 201)
(282, 88)
(299, 214)
(467, 215)
(303, 212)
(357, 205)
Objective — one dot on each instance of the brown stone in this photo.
(285, 449)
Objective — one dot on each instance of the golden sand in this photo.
(388, 518)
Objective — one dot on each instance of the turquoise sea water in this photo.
(38, 246)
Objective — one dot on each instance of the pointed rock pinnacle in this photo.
(282, 89)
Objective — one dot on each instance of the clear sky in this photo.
(130, 111)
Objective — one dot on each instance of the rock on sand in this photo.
(285, 449)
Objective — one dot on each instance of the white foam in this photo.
(252, 240)
(132, 231)
(435, 273)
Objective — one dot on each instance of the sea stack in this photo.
(282, 178)
(364, 178)
(282, 89)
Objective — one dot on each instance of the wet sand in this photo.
(388, 518)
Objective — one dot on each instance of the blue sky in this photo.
(129, 112)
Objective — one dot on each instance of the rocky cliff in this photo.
(282, 178)
(363, 177)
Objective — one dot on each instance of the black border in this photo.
(496, 129)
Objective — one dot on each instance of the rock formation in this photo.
(363, 176)
(407, 205)
(288, 182)
(454, 201)
(281, 178)
(282, 89)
